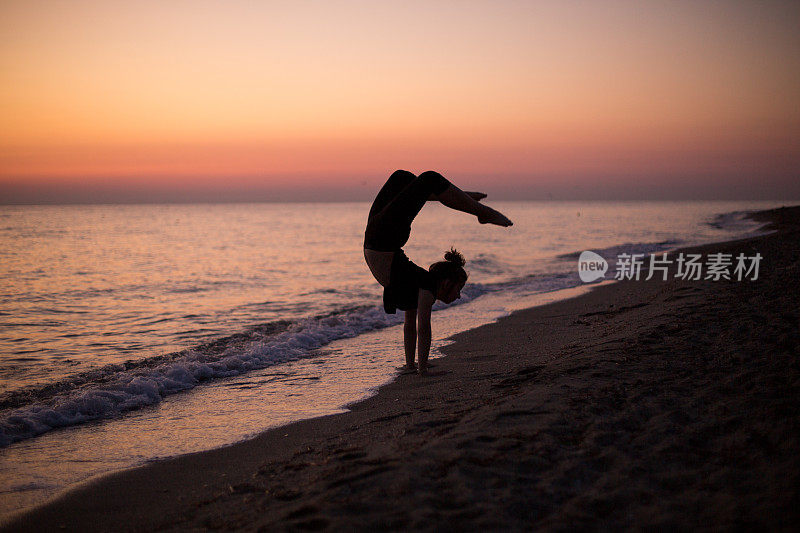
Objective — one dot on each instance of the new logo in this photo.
(591, 266)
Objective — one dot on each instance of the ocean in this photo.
(130, 333)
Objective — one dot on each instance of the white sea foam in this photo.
(115, 390)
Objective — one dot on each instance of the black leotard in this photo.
(389, 226)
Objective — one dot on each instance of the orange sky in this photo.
(533, 98)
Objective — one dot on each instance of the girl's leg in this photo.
(410, 337)
(455, 198)
(390, 226)
(398, 181)
(404, 207)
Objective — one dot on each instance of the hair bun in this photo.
(454, 256)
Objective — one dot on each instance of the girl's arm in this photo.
(410, 336)
(424, 303)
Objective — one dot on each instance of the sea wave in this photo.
(118, 388)
(735, 221)
(628, 248)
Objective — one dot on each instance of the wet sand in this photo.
(643, 404)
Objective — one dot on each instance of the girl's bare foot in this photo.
(407, 369)
(477, 196)
(492, 216)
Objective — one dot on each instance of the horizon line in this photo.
(334, 201)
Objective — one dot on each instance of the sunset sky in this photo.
(264, 100)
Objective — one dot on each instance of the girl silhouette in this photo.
(409, 287)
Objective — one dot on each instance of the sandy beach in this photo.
(642, 404)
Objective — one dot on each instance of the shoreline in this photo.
(491, 438)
